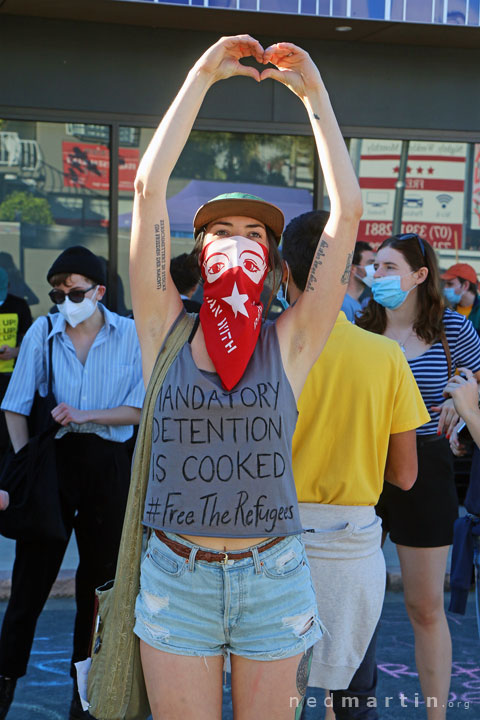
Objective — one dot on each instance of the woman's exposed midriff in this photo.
(217, 543)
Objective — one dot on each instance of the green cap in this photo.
(238, 203)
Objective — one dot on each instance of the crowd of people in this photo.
(264, 529)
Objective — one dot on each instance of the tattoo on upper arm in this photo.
(161, 255)
(317, 260)
(348, 269)
(303, 671)
(317, 117)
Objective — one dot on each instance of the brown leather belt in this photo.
(210, 555)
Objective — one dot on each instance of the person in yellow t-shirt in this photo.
(358, 413)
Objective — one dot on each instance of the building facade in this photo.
(83, 87)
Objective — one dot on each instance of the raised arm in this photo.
(304, 328)
(156, 302)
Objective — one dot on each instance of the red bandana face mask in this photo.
(233, 270)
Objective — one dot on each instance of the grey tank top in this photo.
(221, 463)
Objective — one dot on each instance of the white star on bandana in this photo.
(237, 301)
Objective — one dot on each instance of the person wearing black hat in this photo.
(98, 386)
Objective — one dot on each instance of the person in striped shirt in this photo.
(98, 385)
(408, 306)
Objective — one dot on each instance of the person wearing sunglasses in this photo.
(97, 383)
(408, 307)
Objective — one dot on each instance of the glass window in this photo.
(368, 9)
(441, 198)
(412, 10)
(54, 186)
(473, 233)
(133, 143)
(278, 168)
(433, 203)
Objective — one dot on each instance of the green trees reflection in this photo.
(285, 160)
(27, 208)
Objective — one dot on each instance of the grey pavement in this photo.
(45, 692)
(65, 583)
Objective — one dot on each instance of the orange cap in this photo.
(463, 271)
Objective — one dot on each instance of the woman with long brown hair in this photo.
(407, 306)
(226, 571)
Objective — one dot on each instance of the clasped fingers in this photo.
(65, 414)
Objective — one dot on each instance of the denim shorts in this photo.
(261, 607)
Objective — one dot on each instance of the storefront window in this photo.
(441, 199)
(54, 187)
(278, 168)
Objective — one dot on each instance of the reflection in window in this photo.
(441, 199)
(473, 237)
(433, 204)
(54, 185)
(459, 12)
(278, 168)
(454, 12)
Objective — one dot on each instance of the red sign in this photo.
(440, 235)
(434, 190)
(87, 165)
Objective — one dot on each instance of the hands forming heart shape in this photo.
(292, 66)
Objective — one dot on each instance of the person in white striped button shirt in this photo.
(98, 385)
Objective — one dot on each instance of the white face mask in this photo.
(75, 313)
(369, 273)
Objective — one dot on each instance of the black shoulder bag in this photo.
(30, 475)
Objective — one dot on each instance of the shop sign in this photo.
(434, 190)
(87, 165)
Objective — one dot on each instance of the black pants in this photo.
(94, 476)
(356, 701)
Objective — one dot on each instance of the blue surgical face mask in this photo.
(452, 297)
(387, 291)
(282, 294)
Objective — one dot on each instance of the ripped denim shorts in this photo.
(261, 607)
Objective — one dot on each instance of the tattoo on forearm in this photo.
(317, 117)
(317, 260)
(160, 255)
(303, 671)
(348, 269)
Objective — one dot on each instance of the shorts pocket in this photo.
(287, 563)
(170, 564)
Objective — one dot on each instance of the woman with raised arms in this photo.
(225, 570)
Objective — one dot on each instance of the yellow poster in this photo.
(8, 336)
